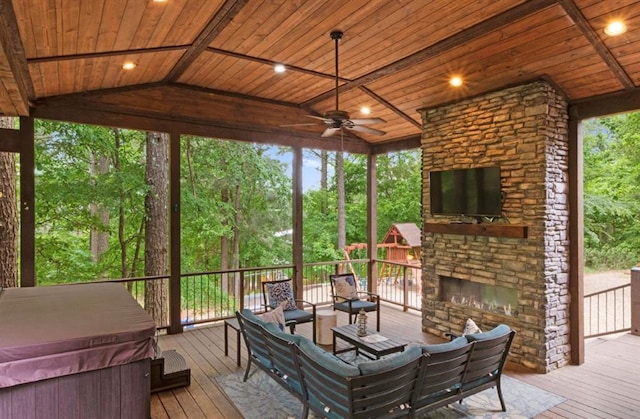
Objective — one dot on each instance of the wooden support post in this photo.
(297, 222)
(27, 204)
(372, 224)
(635, 301)
(175, 325)
(576, 242)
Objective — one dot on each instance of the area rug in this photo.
(261, 397)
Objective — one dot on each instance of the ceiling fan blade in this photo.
(366, 130)
(330, 131)
(367, 121)
(299, 125)
(319, 117)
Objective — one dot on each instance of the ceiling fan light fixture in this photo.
(615, 27)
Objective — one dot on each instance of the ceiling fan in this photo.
(336, 120)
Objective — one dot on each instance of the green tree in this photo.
(611, 193)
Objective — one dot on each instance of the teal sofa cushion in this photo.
(500, 330)
(328, 360)
(437, 348)
(410, 353)
(275, 329)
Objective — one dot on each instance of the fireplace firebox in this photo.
(486, 297)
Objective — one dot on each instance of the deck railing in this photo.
(607, 311)
(216, 295)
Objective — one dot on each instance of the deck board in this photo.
(604, 387)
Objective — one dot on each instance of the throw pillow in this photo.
(279, 292)
(275, 316)
(344, 289)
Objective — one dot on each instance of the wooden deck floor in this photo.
(606, 386)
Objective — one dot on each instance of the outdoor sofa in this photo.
(415, 381)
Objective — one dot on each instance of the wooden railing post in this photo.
(635, 301)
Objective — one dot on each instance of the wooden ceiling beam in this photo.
(14, 53)
(401, 144)
(222, 18)
(271, 63)
(105, 54)
(85, 112)
(390, 106)
(505, 18)
(583, 25)
(619, 102)
(9, 140)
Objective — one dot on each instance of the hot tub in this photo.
(74, 351)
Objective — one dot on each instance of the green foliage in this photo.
(250, 178)
(612, 192)
(399, 191)
(66, 190)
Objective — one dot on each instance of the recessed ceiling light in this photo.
(617, 27)
(159, 1)
(365, 110)
(455, 81)
(279, 68)
(128, 66)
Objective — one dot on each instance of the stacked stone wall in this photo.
(523, 130)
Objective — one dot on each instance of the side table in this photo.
(232, 323)
(325, 321)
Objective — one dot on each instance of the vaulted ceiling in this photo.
(206, 67)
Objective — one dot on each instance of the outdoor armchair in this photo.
(275, 293)
(348, 299)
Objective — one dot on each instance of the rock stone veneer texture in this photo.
(523, 130)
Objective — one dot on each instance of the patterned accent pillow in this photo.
(345, 288)
(280, 292)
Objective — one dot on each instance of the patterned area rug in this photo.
(261, 397)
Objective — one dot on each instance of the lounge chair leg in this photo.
(246, 373)
(504, 408)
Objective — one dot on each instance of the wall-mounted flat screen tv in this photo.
(472, 192)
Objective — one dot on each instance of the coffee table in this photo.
(368, 346)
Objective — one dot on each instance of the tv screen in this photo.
(472, 192)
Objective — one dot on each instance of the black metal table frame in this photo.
(370, 350)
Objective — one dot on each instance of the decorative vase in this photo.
(362, 323)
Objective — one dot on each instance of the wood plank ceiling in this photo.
(205, 67)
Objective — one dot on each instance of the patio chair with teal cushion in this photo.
(348, 299)
(276, 293)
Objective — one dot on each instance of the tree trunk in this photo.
(342, 231)
(324, 158)
(236, 242)
(121, 217)
(8, 215)
(156, 223)
(99, 238)
(224, 244)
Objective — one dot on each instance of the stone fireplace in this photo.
(511, 269)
